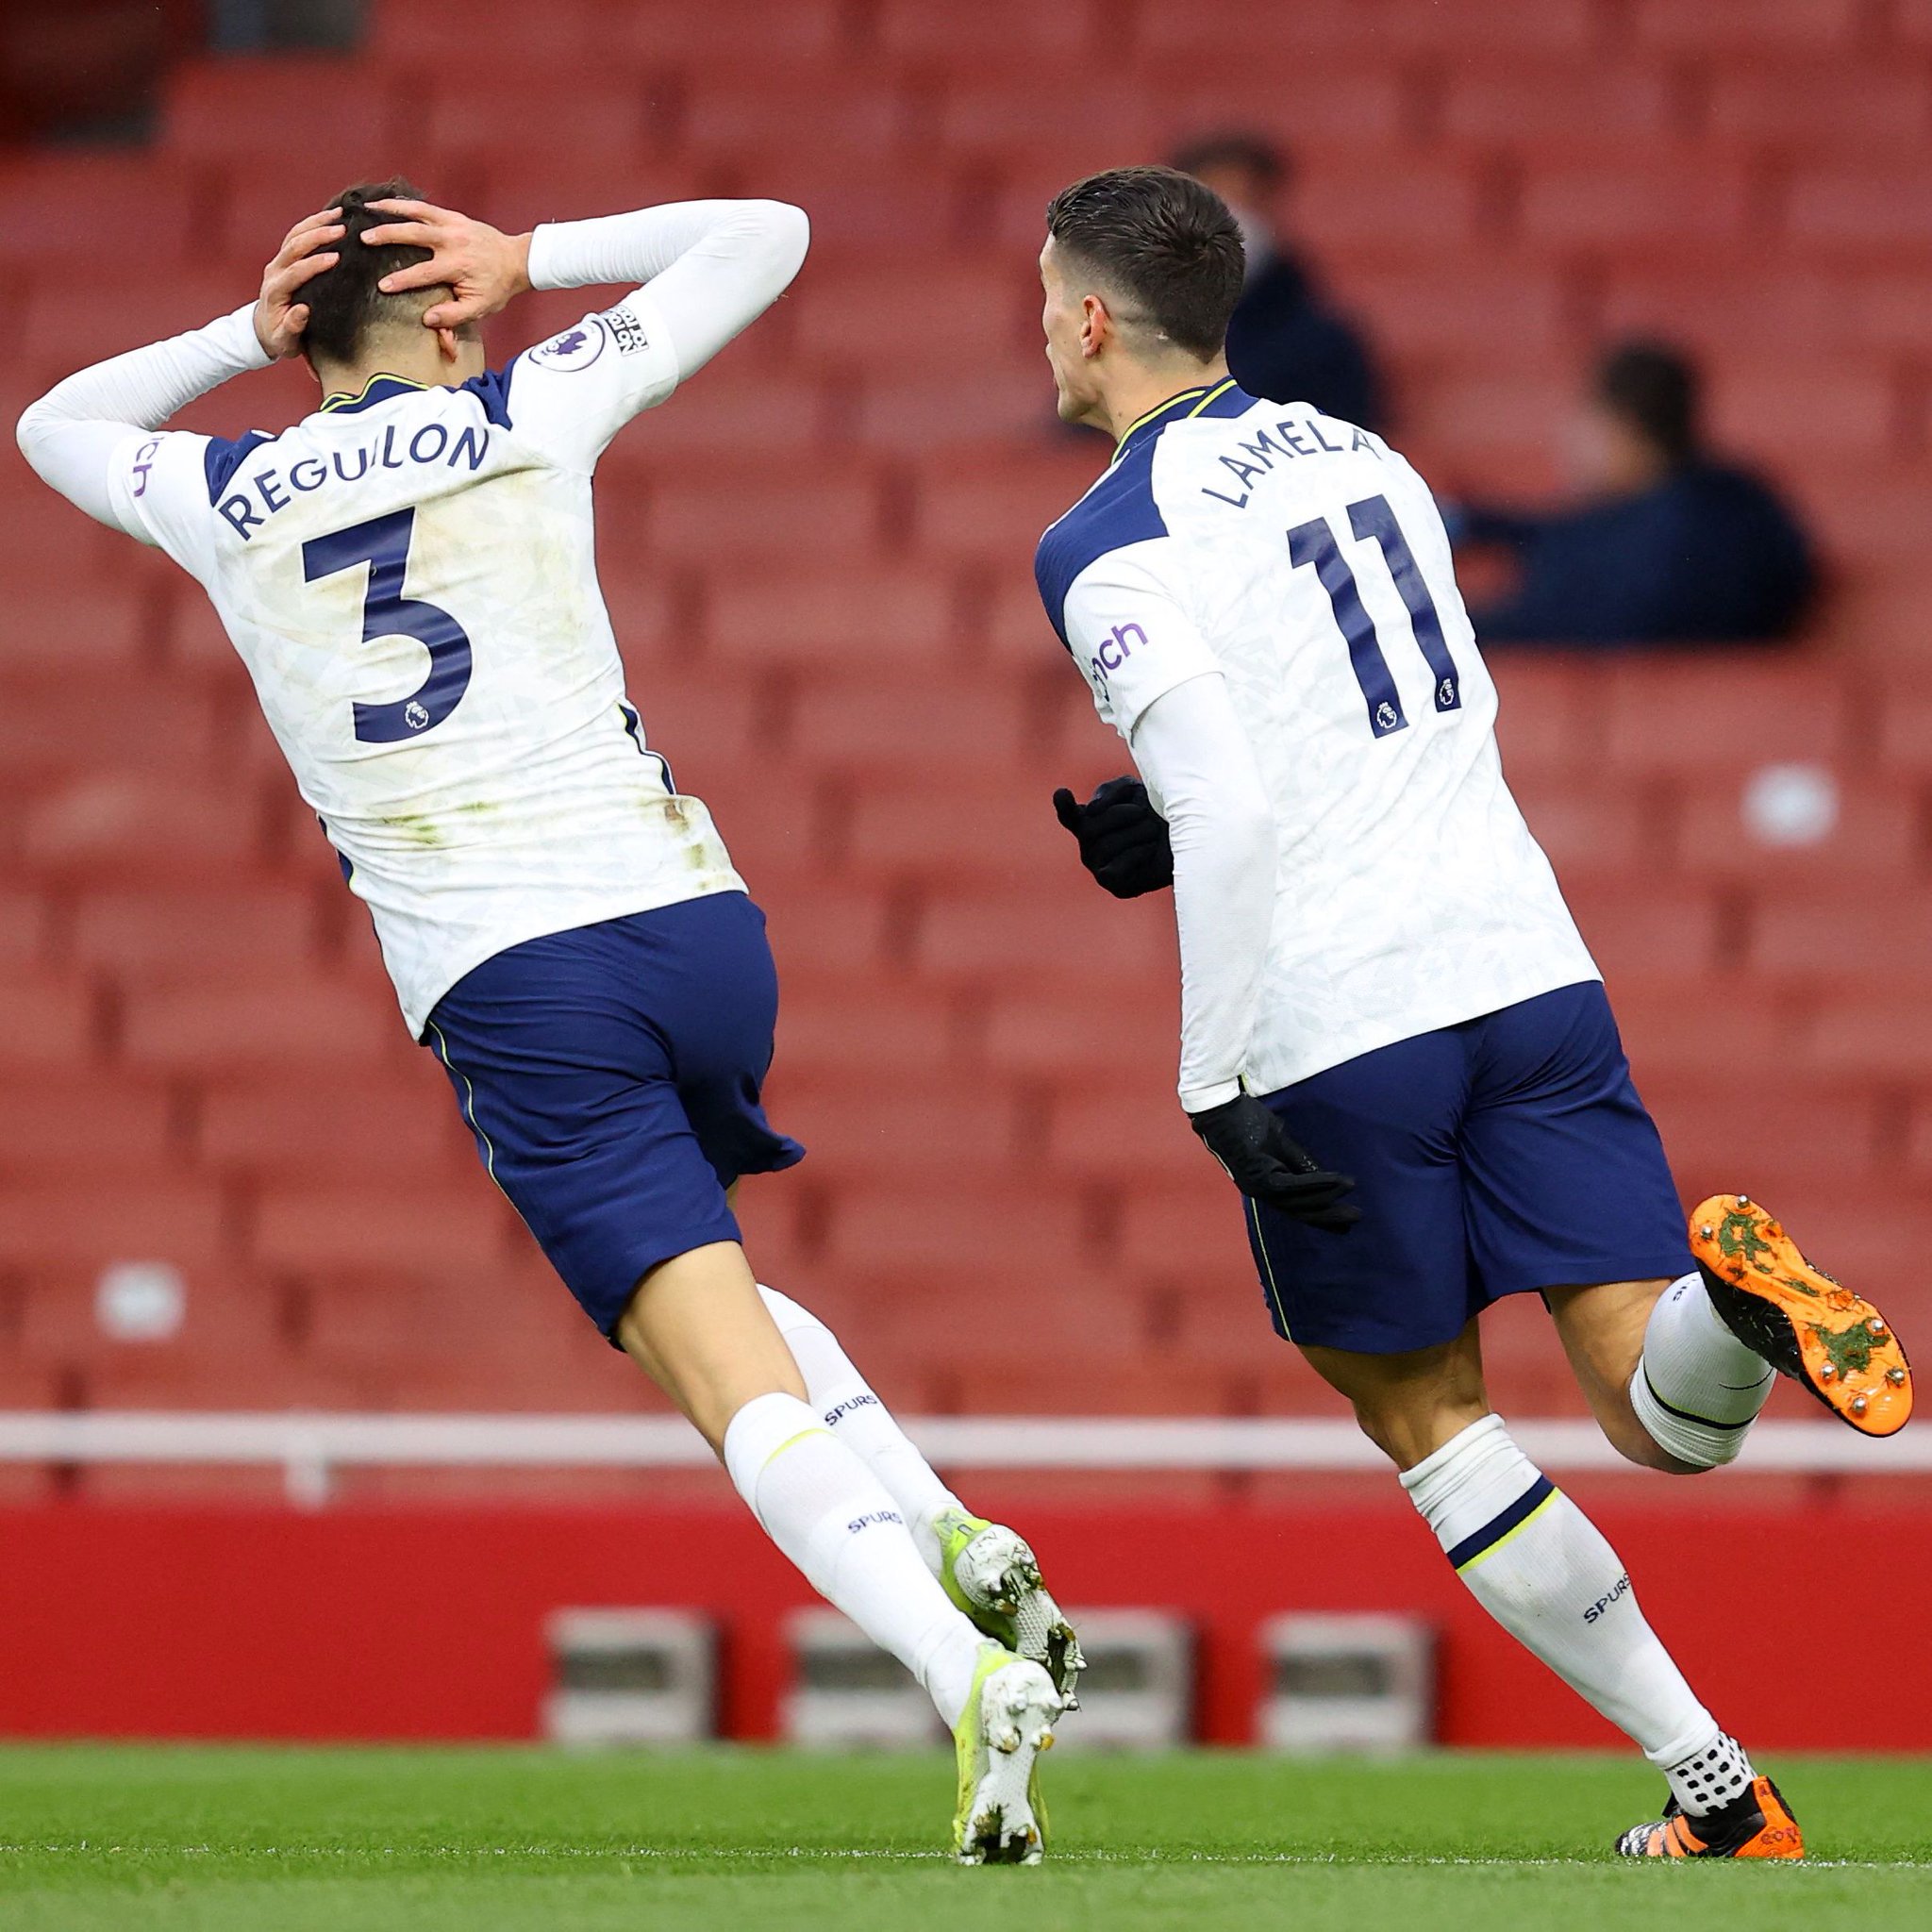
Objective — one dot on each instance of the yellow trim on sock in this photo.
(791, 1442)
(1509, 1535)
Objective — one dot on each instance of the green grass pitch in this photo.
(499, 1840)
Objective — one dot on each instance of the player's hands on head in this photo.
(1123, 840)
(279, 316)
(1249, 1141)
(483, 268)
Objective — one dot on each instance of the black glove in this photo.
(1123, 839)
(1252, 1144)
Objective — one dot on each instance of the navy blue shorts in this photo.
(1505, 1154)
(611, 1074)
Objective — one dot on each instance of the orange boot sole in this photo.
(1798, 1318)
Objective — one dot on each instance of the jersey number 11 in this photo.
(1314, 542)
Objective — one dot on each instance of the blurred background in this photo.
(1643, 287)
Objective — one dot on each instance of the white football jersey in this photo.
(1307, 562)
(408, 576)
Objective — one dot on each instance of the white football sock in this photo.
(848, 1407)
(1543, 1570)
(1697, 1388)
(821, 1505)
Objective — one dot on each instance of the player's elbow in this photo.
(787, 230)
(30, 434)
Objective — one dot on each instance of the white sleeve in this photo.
(92, 436)
(1130, 635)
(1202, 775)
(713, 268)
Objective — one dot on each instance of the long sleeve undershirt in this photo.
(1200, 773)
(712, 266)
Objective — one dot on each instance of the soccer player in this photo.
(408, 574)
(1377, 966)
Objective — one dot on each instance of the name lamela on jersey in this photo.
(269, 491)
(1292, 437)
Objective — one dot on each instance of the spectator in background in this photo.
(1284, 343)
(1666, 546)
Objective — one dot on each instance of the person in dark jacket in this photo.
(1285, 344)
(1667, 546)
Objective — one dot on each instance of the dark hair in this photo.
(1160, 239)
(343, 301)
(1657, 390)
(1232, 147)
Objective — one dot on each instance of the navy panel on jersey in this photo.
(611, 1075)
(1503, 1155)
(1119, 509)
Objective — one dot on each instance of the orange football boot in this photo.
(1757, 1824)
(1803, 1322)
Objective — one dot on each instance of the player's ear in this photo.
(1095, 325)
(446, 344)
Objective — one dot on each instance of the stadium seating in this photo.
(818, 562)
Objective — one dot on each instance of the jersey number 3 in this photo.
(383, 545)
(1315, 544)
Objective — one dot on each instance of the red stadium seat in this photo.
(46, 1020)
(1038, 935)
(1808, 106)
(1012, 400)
(80, 209)
(1613, 832)
(729, 522)
(1561, 100)
(1013, 31)
(1733, 1135)
(151, 727)
(1881, 1037)
(1458, 311)
(1004, 1228)
(24, 927)
(917, 712)
(994, 832)
(88, 1122)
(1870, 211)
(324, 1129)
(846, 317)
(1731, 27)
(1662, 711)
(233, 111)
(1875, 832)
(853, 112)
(1074, 1034)
(823, 1032)
(80, 1223)
(1715, 1032)
(201, 932)
(301, 1021)
(1843, 932)
(1187, 1223)
(814, 618)
(464, 35)
(994, 509)
(445, 1228)
(1849, 411)
(110, 824)
(599, 110)
(76, 629)
(1687, 200)
(915, 1138)
(723, 36)
(1651, 929)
